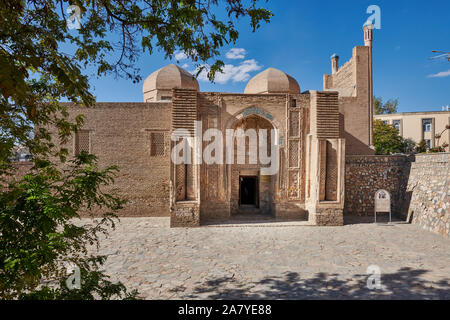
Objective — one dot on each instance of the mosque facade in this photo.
(309, 134)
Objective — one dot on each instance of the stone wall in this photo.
(364, 175)
(185, 215)
(420, 187)
(327, 217)
(428, 193)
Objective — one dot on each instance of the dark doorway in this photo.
(248, 191)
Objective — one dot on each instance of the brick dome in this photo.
(165, 79)
(272, 81)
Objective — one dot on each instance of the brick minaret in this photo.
(368, 41)
(334, 63)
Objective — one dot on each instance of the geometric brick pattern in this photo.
(322, 169)
(295, 149)
(293, 153)
(180, 178)
(294, 124)
(157, 144)
(332, 174)
(213, 179)
(82, 141)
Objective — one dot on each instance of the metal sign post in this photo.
(383, 203)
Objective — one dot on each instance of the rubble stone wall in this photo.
(420, 187)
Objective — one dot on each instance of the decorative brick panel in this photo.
(332, 173)
(180, 178)
(322, 169)
(213, 179)
(184, 109)
(82, 141)
(327, 116)
(294, 146)
(157, 144)
(294, 124)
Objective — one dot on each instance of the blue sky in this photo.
(304, 34)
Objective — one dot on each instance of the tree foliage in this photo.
(388, 107)
(421, 147)
(40, 237)
(43, 62)
(386, 139)
(37, 72)
(409, 146)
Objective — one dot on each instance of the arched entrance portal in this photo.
(251, 193)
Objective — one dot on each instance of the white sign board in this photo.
(382, 203)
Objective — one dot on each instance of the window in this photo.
(166, 98)
(426, 125)
(294, 103)
(396, 124)
(82, 141)
(157, 144)
(428, 141)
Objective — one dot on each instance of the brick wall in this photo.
(21, 169)
(120, 134)
(344, 79)
(352, 84)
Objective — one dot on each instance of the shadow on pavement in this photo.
(407, 283)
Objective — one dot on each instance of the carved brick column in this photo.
(326, 161)
(185, 177)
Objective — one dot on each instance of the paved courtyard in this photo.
(277, 261)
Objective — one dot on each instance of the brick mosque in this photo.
(317, 130)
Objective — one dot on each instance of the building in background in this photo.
(420, 126)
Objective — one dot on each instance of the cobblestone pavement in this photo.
(277, 261)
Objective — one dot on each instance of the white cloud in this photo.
(440, 74)
(184, 66)
(238, 73)
(236, 53)
(180, 55)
